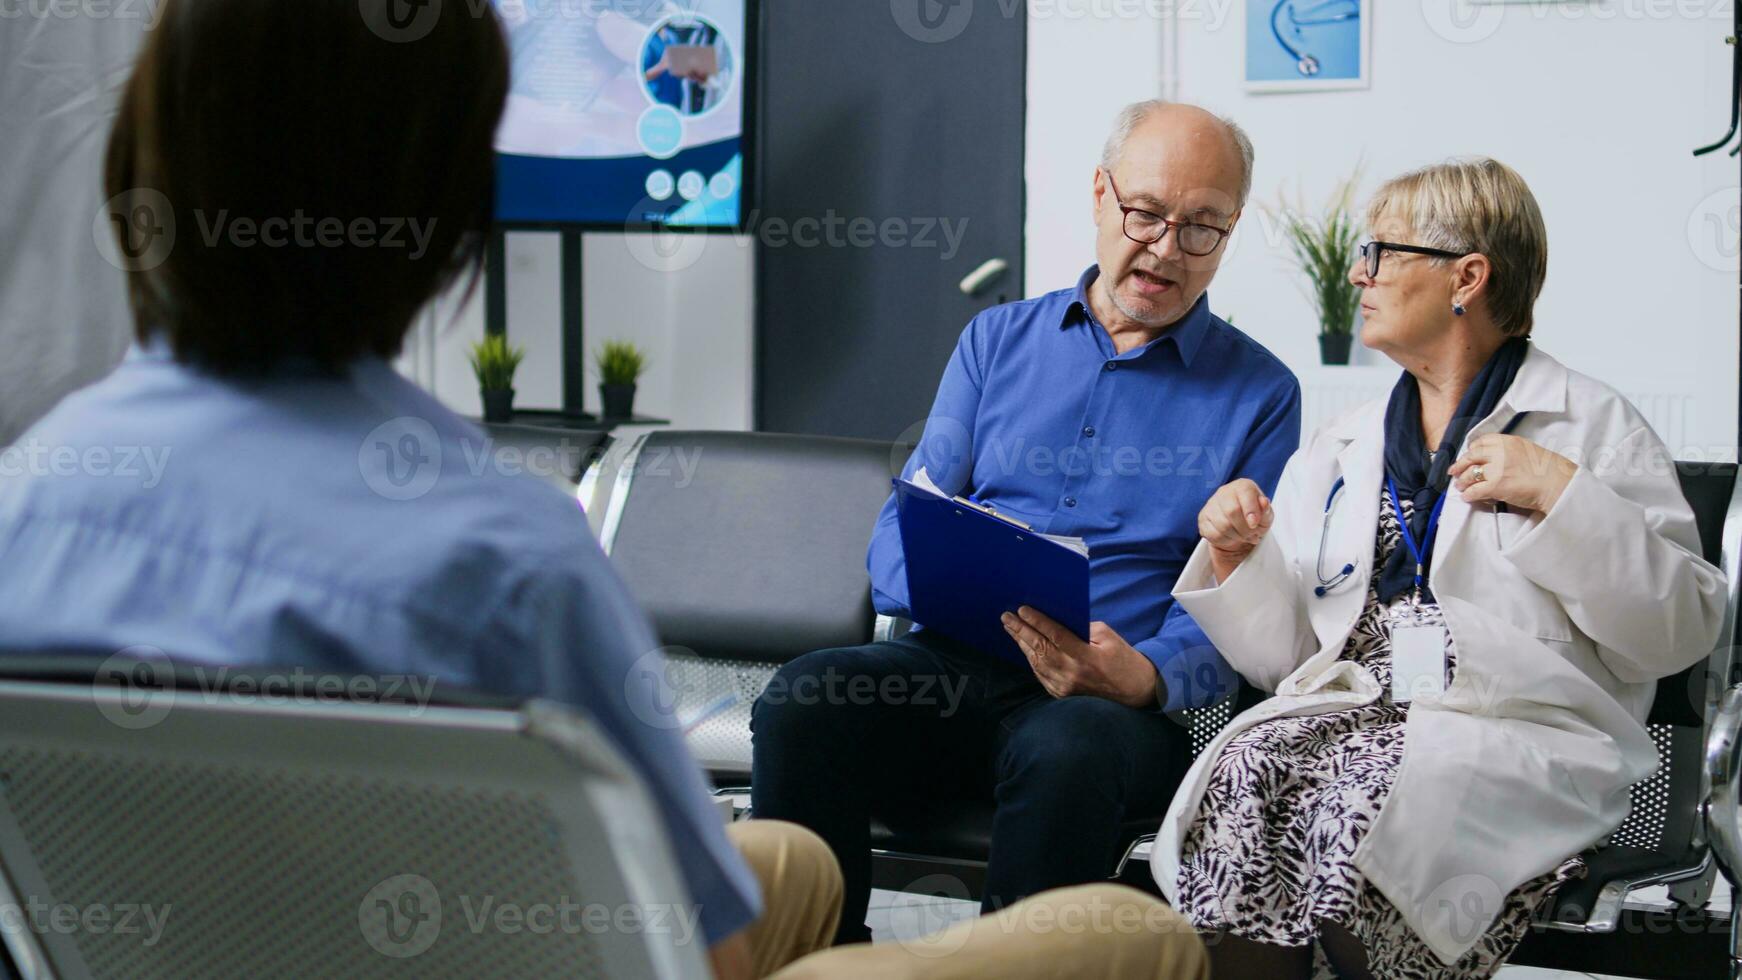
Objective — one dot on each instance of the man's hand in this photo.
(1514, 471)
(1104, 666)
(1232, 523)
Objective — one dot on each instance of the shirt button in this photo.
(1089, 431)
(1112, 366)
(1070, 501)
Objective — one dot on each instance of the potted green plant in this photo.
(1324, 248)
(494, 362)
(620, 364)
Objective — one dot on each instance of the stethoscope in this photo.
(1308, 65)
(1331, 583)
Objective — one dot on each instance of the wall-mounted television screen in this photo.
(625, 114)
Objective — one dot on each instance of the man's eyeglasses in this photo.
(1374, 251)
(1147, 228)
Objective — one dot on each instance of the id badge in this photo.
(1418, 661)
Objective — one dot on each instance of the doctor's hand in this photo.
(1512, 470)
(1104, 666)
(1233, 523)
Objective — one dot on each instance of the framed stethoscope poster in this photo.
(1307, 45)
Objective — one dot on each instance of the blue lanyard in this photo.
(1417, 551)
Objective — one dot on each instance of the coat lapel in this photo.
(1361, 464)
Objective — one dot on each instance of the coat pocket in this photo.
(1511, 525)
(1515, 598)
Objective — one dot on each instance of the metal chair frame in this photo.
(471, 755)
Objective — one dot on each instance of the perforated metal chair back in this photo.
(747, 550)
(222, 836)
(1204, 724)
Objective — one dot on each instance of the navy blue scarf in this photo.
(1406, 459)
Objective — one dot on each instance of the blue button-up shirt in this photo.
(345, 524)
(1039, 417)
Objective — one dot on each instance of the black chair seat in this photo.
(957, 832)
(962, 831)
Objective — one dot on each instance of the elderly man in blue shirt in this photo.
(1110, 411)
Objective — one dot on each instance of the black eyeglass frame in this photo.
(1167, 225)
(1375, 250)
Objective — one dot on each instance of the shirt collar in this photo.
(152, 347)
(1187, 333)
(156, 347)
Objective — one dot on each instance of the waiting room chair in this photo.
(1682, 816)
(293, 831)
(747, 550)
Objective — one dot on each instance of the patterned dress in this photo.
(1270, 855)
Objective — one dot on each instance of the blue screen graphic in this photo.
(623, 113)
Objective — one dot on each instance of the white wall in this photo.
(1081, 71)
(64, 321)
(685, 299)
(1597, 106)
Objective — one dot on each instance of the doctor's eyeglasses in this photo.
(1373, 251)
(1147, 228)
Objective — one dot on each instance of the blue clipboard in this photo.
(966, 568)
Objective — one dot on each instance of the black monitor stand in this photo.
(574, 347)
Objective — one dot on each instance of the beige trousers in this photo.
(1102, 930)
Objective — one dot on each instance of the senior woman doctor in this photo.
(1460, 690)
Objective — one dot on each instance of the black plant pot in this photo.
(1334, 348)
(618, 401)
(498, 404)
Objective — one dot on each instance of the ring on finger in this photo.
(1479, 473)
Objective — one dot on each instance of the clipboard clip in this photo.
(922, 481)
(989, 512)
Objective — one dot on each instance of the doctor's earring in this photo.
(1457, 309)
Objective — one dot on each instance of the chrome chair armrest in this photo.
(740, 797)
(603, 490)
(889, 628)
(1723, 820)
(1138, 851)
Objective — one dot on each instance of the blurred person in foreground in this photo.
(291, 184)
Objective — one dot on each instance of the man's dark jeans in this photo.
(917, 725)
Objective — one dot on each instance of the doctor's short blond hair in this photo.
(1476, 205)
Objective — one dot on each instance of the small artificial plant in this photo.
(1324, 248)
(494, 362)
(620, 362)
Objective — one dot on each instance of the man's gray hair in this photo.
(1136, 112)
